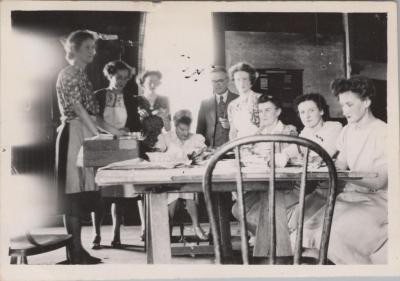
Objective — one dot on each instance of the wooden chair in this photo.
(29, 244)
(235, 145)
(33, 244)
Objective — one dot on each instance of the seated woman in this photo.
(117, 108)
(269, 109)
(180, 143)
(313, 112)
(359, 227)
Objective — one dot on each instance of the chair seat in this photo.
(40, 243)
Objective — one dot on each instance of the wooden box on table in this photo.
(100, 151)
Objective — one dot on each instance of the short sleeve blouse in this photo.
(170, 143)
(73, 87)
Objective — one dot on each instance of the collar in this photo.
(278, 129)
(224, 96)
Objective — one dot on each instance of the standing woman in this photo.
(153, 109)
(118, 108)
(79, 119)
(359, 226)
(243, 114)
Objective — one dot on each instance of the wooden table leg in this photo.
(157, 232)
(223, 203)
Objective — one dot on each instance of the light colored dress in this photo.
(171, 144)
(359, 227)
(74, 87)
(326, 137)
(252, 200)
(115, 114)
(243, 115)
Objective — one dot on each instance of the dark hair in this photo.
(183, 116)
(218, 68)
(111, 68)
(269, 98)
(246, 67)
(360, 85)
(74, 42)
(142, 77)
(317, 98)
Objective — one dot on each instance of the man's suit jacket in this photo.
(207, 118)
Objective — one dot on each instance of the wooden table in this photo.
(156, 183)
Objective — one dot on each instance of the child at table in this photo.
(180, 143)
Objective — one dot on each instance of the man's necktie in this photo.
(221, 109)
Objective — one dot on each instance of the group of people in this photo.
(359, 228)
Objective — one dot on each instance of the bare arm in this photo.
(85, 118)
(93, 124)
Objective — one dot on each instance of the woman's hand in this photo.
(341, 166)
(143, 113)
(124, 131)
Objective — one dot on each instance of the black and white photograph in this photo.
(199, 136)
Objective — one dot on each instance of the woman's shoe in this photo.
(84, 258)
(116, 244)
(96, 242)
(199, 232)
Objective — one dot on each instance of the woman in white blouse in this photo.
(359, 227)
(243, 113)
(180, 143)
(270, 109)
(313, 112)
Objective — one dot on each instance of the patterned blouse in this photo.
(73, 86)
(243, 115)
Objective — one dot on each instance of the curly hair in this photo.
(317, 98)
(142, 77)
(111, 68)
(246, 67)
(360, 85)
(183, 116)
(269, 98)
(74, 42)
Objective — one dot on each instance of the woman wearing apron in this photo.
(79, 119)
(118, 108)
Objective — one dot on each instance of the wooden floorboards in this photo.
(131, 253)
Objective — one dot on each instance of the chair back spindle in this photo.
(235, 146)
(242, 208)
(299, 235)
(271, 207)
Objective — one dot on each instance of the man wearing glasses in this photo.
(212, 120)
